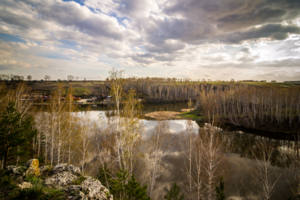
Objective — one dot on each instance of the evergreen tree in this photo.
(173, 194)
(134, 190)
(220, 190)
(104, 175)
(15, 132)
(129, 191)
(118, 185)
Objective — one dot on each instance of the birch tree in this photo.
(264, 177)
(159, 144)
(117, 84)
(187, 144)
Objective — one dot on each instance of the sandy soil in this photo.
(187, 110)
(163, 115)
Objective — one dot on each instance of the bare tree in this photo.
(187, 144)
(29, 77)
(160, 142)
(117, 85)
(84, 142)
(213, 155)
(47, 77)
(264, 176)
(70, 77)
(77, 78)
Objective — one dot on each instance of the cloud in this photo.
(245, 54)
(61, 69)
(173, 35)
(296, 50)
(41, 66)
(166, 47)
(13, 64)
(271, 31)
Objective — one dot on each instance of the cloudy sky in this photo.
(197, 39)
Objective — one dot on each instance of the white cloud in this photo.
(157, 34)
(61, 69)
(41, 66)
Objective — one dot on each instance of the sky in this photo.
(196, 39)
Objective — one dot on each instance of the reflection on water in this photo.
(240, 157)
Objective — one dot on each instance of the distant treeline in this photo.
(254, 106)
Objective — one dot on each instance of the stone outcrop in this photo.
(95, 189)
(45, 170)
(66, 168)
(62, 176)
(60, 180)
(32, 167)
(16, 172)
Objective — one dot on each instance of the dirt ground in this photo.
(164, 115)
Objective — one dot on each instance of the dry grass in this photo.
(163, 115)
(187, 109)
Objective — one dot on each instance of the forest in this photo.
(195, 159)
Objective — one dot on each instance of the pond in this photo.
(240, 161)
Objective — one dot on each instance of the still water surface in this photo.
(240, 159)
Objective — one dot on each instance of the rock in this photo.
(76, 192)
(25, 185)
(80, 196)
(45, 170)
(17, 172)
(66, 168)
(63, 176)
(60, 180)
(92, 189)
(95, 189)
(32, 167)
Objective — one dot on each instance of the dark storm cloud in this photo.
(272, 31)
(228, 21)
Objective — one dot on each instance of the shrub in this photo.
(35, 192)
(33, 179)
(7, 186)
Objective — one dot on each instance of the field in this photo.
(80, 87)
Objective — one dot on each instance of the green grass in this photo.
(80, 91)
(79, 180)
(191, 115)
(33, 179)
(50, 194)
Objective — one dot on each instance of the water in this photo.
(240, 161)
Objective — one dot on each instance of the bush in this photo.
(35, 192)
(7, 186)
(33, 179)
